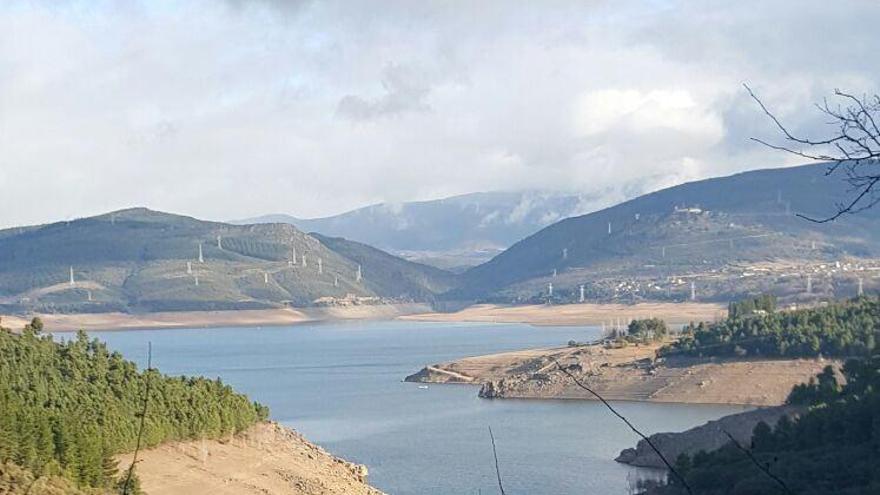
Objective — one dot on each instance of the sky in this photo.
(225, 109)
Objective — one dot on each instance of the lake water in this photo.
(341, 386)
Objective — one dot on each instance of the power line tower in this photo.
(72, 281)
(550, 290)
(693, 291)
(189, 267)
(359, 275)
(266, 278)
(582, 298)
(219, 243)
(861, 287)
(201, 256)
(320, 265)
(809, 284)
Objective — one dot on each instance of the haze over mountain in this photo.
(143, 260)
(457, 231)
(714, 232)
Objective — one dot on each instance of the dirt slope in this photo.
(630, 373)
(268, 459)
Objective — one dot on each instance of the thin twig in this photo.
(756, 462)
(137, 446)
(497, 469)
(627, 422)
(857, 141)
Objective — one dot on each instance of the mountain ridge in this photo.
(709, 224)
(138, 259)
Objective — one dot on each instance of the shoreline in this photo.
(212, 319)
(578, 314)
(629, 374)
(536, 315)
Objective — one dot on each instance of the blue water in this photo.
(340, 385)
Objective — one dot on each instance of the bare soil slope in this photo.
(629, 373)
(268, 459)
(579, 314)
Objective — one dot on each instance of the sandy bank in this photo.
(268, 459)
(579, 314)
(239, 318)
(631, 373)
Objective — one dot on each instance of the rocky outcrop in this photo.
(707, 437)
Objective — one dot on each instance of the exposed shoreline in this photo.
(633, 373)
(267, 459)
(537, 315)
(578, 314)
(208, 319)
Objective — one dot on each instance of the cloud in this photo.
(403, 92)
(239, 108)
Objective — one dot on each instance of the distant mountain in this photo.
(461, 230)
(143, 260)
(704, 228)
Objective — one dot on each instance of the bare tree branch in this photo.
(763, 467)
(137, 448)
(853, 147)
(627, 422)
(497, 469)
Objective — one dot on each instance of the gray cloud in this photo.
(233, 109)
(403, 91)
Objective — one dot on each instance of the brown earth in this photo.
(579, 314)
(268, 459)
(629, 373)
(189, 319)
(706, 437)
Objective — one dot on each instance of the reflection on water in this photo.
(340, 385)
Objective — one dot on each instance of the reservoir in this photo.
(340, 384)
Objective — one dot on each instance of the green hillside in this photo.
(137, 260)
(380, 269)
(67, 408)
(712, 232)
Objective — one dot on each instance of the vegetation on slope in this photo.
(833, 448)
(848, 328)
(67, 408)
(139, 260)
(690, 228)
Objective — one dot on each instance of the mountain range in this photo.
(721, 233)
(716, 239)
(142, 260)
(451, 233)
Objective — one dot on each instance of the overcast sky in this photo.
(228, 109)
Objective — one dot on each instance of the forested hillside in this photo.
(833, 448)
(842, 329)
(67, 408)
(139, 260)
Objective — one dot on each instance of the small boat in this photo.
(423, 387)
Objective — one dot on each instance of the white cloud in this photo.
(637, 112)
(226, 110)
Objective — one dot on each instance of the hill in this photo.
(452, 232)
(68, 408)
(141, 260)
(730, 236)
